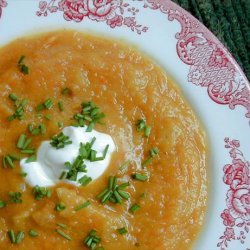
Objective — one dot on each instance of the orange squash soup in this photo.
(153, 191)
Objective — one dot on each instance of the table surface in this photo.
(229, 20)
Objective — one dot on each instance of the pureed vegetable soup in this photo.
(153, 193)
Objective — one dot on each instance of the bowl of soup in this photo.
(101, 145)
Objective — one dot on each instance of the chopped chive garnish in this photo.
(2, 204)
(47, 117)
(143, 195)
(13, 117)
(23, 174)
(140, 125)
(85, 204)
(15, 157)
(27, 143)
(30, 128)
(92, 141)
(33, 233)
(22, 103)
(48, 103)
(60, 106)
(92, 240)
(40, 107)
(42, 128)
(123, 185)
(122, 230)
(102, 194)
(107, 197)
(90, 115)
(105, 151)
(13, 97)
(60, 207)
(147, 131)
(117, 197)
(74, 168)
(12, 236)
(41, 192)
(90, 127)
(22, 67)
(139, 177)
(15, 197)
(66, 91)
(112, 182)
(21, 141)
(123, 194)
(86, 151)
(36, 131)
(19, 112)
(19, 237)
(28, 151)
(93, 155)
(8, 160)
(59, 124)
(64, 235)
(134, 208)
(124, 166)
(146, 162)
(63, 175)
(32, 158)
(152, 152)
(61, 225)
(85, 180)
(113, 192)
(60, 141)
(45, 105)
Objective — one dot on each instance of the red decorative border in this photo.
(236, 217)
(3, 4)
(115, 13)
(211, 66)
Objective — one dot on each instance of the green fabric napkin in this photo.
(229, 20)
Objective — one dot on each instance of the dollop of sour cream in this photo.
(50, 163)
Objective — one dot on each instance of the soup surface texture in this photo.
(71, 68)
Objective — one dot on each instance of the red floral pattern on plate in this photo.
(211, 66)
(236, 217)
(110, 11)
(3, 4)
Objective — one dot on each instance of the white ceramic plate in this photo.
(207, 74)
